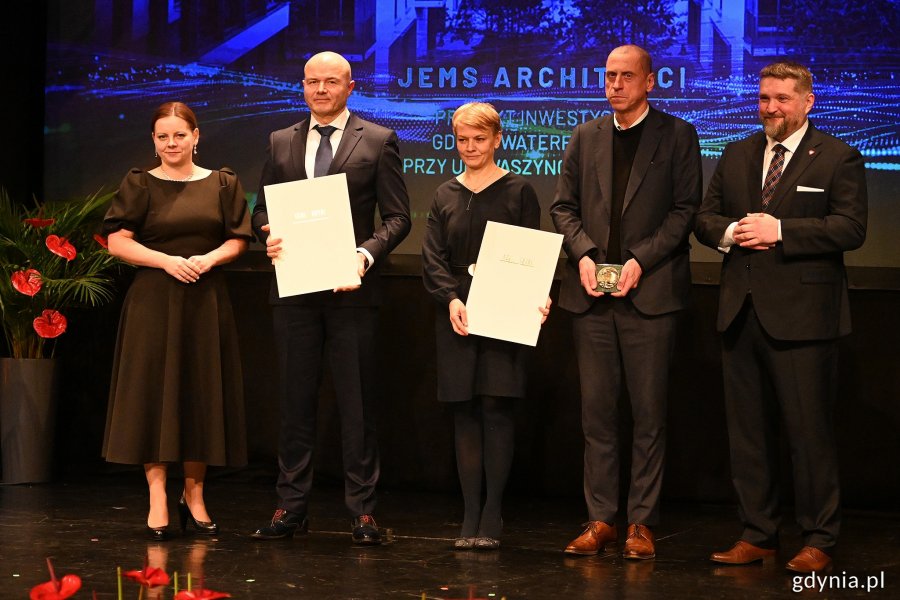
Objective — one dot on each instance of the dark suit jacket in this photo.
(799, 287)
(369, 155)
(662, 195)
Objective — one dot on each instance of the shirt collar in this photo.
(791, 142)
(340, 122)
(636, 121)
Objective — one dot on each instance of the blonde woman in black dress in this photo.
(177, 392)
(479, 377)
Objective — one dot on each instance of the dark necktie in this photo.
(772, 175)
(323, 153)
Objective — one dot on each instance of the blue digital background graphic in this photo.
(238, 63)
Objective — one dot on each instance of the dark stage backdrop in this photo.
(239, 63)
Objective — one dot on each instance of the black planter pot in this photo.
(27, 419)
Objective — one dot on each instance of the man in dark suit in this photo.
(783, 206)
(629, 188)
(340, 324)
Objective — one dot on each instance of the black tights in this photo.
(484, 435)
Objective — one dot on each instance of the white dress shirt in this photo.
(313, 138)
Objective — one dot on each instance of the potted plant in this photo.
(51, 260)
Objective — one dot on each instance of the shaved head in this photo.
(330, 59)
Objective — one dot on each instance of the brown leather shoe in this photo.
(595, 538)
(809, 559)
(742, 553)
(639, 544)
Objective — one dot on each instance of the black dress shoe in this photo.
(158, 534)
(365, 531)
(202, 527)
(284, 525)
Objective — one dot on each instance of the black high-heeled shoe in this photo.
(158, 534)
(202, 527)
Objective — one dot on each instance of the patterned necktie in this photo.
(772, 175)
(323, 153)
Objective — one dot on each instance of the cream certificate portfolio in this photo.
(512, 279)
(318, 249)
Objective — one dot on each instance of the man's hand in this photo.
(458, 318)
(273, 245)
(587, 268)
(360, 270)
(631, 275)
(757, 231)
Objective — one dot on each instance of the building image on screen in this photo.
(239, 65)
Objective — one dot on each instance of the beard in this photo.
(779, 128)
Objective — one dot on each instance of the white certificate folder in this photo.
(318, 249)
(512, 279)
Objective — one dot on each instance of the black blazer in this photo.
(662, 195)
(370, 156)
(799, 287)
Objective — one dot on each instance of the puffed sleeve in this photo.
(129, 206)
(235, 212)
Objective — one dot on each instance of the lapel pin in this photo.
(811, 152)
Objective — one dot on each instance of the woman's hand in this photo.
(458, 317)
(203, 262)
(181, 269)
(545, 310)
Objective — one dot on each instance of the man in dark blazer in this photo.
(783, 206)
(341, 323)
(629, 188)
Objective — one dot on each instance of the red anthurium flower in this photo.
(50, 324)
(60, 246)
(150, 576)
(200, 594)
(27, 282)
(56, 589)
(101, 240)
(38, 222)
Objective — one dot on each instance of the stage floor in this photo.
(89, 528)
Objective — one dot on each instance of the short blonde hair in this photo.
(479, 115)
(789, 69)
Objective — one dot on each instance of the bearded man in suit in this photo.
(627, 194)
(340, 324)
(783, 206)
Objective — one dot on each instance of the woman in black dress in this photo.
(480, 377)
(177, 392)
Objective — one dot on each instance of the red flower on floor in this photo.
(149, 576)
(37, 223)
(27, 282)
(56, 589)
(50, 324)
(200, 594)
(101, 240)
(60, 246)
